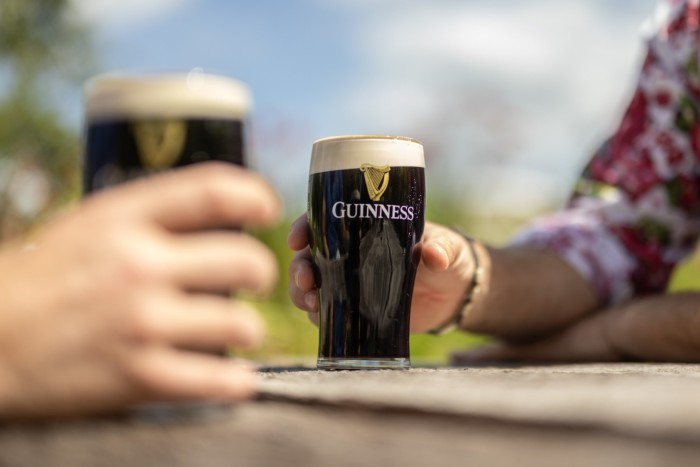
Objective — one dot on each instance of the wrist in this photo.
(473, 290)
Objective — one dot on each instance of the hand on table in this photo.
(120, 297)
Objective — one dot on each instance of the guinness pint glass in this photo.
(136, 125)
(366, 217)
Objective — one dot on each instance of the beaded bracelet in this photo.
(472, 291)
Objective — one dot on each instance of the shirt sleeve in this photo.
(633, 214)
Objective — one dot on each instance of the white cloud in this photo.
(484, 39)
(559, 73)
(398, 104)
(125, 12)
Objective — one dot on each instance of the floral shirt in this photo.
(635, 212)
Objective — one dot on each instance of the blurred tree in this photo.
(44, 49)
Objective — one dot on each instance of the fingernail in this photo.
(310, 300)
(297, 277)
(440, 249)
(443, 251)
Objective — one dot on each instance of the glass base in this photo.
(363, 363)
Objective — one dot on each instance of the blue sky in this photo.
(509, 96)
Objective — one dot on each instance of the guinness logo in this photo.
(376, 179)
(159, 142)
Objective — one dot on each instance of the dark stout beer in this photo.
(138, 125)
(366, 216)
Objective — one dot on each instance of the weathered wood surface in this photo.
(581, 415)
(653, 400)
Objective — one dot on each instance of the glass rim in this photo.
(367, 137)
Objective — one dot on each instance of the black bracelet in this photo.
(474, 286)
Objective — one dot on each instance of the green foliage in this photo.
(289, 331)
(42, 38)
(43, 49)
(31, 131)
(686, 276)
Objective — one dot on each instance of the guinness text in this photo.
(372, 211)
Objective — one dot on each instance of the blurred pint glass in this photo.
(137, 125)
(366, 217)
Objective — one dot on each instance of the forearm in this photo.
(662, 327)
(526, 293)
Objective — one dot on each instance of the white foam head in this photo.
(351, 151)
(173, 95)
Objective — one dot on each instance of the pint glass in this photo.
(136, 125)
(366, 216)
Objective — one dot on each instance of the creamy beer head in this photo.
(172, 95)
(351, 151)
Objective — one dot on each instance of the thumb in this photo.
(443, 248)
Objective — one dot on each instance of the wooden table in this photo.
(578, 415)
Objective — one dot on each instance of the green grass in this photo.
(686, 276)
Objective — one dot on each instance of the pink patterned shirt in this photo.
(635, 212)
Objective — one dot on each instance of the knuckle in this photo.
(142, 324)
(214, 199)
(306, 280)
(146, 380)
(294, 294)
(138, 271)
(264, 204)
(301, 256)
(138, 263)
(297, 297)
(138, 371)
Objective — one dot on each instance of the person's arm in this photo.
(123, 300)
(663, 328)
(526, 293)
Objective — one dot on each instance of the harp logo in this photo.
(376, 179)
(159, 143)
